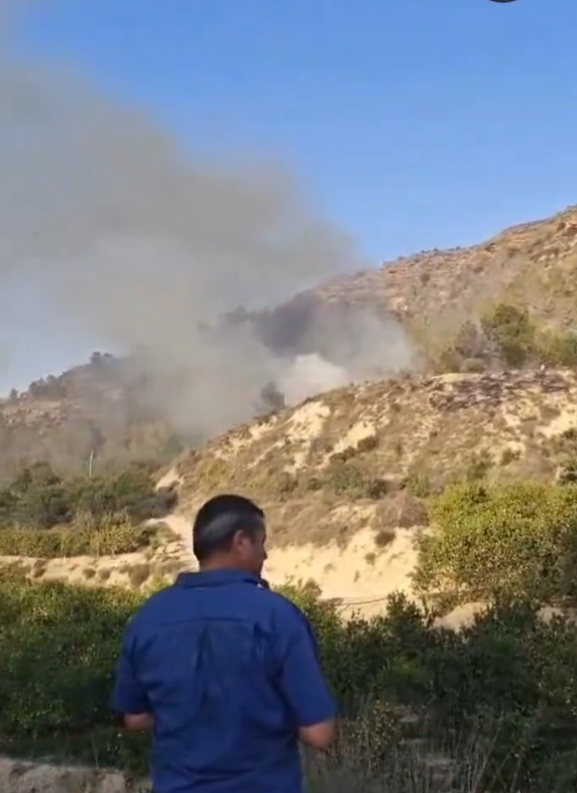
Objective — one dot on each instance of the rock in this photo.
(25, 777)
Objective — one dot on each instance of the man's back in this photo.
(228, 671)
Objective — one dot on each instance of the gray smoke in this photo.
(134, 240)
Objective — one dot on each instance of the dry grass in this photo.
(370, 455)
(405, 774)
(369, 754)
(132, 571)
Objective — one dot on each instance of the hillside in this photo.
(99, 407)
(347, 476)
(373, 442)
(455, 490)
(350, 480)
(532, 266)
(508, 302)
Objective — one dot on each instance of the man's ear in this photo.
(237, 539)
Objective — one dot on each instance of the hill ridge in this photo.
(447, 301)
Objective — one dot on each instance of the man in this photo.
(223, 670)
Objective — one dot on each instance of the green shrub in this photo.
(511, 331)
(40, 627)
(508, 683)
(502, 541)
(131, 491)
(505, 333)
(347, 479)
(418, 485)
(39, 498)
(559, 349)
(113, 534)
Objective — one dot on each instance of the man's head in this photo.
(229, 531)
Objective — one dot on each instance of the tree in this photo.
(511, 331)
(514, 540)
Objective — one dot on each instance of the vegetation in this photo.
(42, 514)
(347, 479)
(113, 535)
(513, 540)
(105, 412)
(113, 408)
(505, 687)
(507, 336)
(498, 698)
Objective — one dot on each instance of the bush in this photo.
(39, 498)
(502, 541)
(43, 515)
(40, 627)
(511, 331)
(508, 684)
(113, 534)
(347, 479)
(35, 497)
(559, 349)
(418, 485)
(506, 334)
(131, 491)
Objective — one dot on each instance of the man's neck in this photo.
(220, 565)
(214, 567)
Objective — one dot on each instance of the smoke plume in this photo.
(147, 247)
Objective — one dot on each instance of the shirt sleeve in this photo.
(128, 695)
(301, 679)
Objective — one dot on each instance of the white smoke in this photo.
(141, 245)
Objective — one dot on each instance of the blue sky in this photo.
(416, 124)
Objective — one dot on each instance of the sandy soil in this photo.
(360, 575)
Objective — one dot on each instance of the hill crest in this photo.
(443, 300)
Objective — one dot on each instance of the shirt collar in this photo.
(207, 578)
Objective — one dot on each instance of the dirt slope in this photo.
(364, 446)
(345, 477)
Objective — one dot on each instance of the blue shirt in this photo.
(229, 671)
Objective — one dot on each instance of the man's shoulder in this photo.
(283, 608)
(153, 608)
(266, 606)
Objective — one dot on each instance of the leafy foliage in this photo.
(502, 541)
(39, 498)
(42, 514)
(111, 535)
(348, 479)
(506, 335)
(512, 332)
(510, 679)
